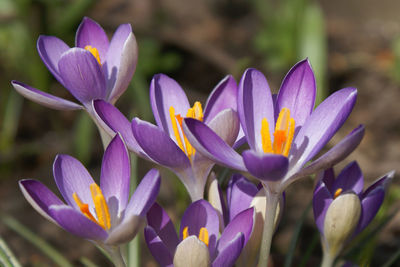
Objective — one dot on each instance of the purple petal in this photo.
(335, 155)
(242, 223)
(43, 98)
(165, 93)
(145, 194)
(242, 192)
(115, 121)
(115, 175)
(351, 178)
(266, 167)
(216, 199)
(382, 182)
(39, 196)
(121, 61)
(230, 253)
(82, 75)
(76, 223)
(91, 33)
(254, 104)
(157, 248)
(72, 177)
(223, 96)
(126, 230)
(50, 49)
(201, 214)
(322, 199)
(319, 128)
(208, 143)
(297, 92)
(158, 145)
(162, 225)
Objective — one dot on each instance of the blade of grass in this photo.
(310, 249)
(295, 236)
(86, 262)
(7, 258)
(36, 240)
(84, 131)
(10, 120)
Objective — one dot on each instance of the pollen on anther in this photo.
(337, 192)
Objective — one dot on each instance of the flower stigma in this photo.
(196, 112)
(94, 52)
(283, 134)
(203, 234)
(100, 206)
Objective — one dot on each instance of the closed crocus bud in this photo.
(341, 220)
(192, 252)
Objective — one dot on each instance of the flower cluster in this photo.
(283, 133)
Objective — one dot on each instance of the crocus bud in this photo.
(192, 252)
(341, 220)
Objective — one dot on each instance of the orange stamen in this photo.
(94, 52)
(337, 192)
(203, 235)
(185, 233)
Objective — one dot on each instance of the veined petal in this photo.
(157, 248)
(82, 75)
(158, 145)
(50, 49)
(297, 92)
(266, 167)
(126, 230)
(162, 225)
(350, 178)
(165, 93)
(43, 98)
(72, 177)
(230, 252)
(319, 128)
(76, 223)
(254, 104)
(321, 200)
(121, 61)
(208, 143)
(242, 192)
(145, 194)
(91, 33)
(223, 96)
(39, 196)
(115, 175)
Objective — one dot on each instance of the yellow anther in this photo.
(265, 136)
(203, 235)
(185, 233)
(94, 52)
(189, 149)
(175, 127)
(83, 207)
(337, 192)
(101, 207)
(290, 134)
(198, 111)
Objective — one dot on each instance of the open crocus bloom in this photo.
(199, 243)
(103, 214)
(166, 144)
(342, 209)
(94, 69)
(283, 133)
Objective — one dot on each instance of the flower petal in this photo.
(266, 167)
(322, 199)
(242, 192)
(43, 98)
(208, 143)
(350, 178)
(50, 49)
(76, 223)
(201, 214)
(82, 75)
(319, 128)
(162, 225)
(39, 196)
(226, 125)
(157, 247)
(158, 145)
(121, 61)
(165, 93)
(297, 92)
(126, 230)
(192, 252)
(216, 199)
(223, 96)
(230, 253)
(72, 177)
(115, 175)
(91, 33)
(254, 104)
(145, 194)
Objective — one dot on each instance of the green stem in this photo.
(327, 260)
(269, 226)
(134, 245)
(116, 256)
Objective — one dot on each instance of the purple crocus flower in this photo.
(283, 132)
(103, 214)
(166, 144)
(199, 243)
(94, 69)
(342, 209)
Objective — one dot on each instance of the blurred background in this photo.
(197, 42)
